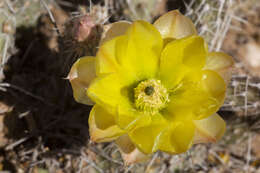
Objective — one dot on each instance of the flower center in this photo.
(149, 90)
(150, 96)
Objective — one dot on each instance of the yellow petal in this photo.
(138, 52)
(106, 89)
(176, 138)
(106, 58)
(175, 25)
(220, 62)
(80, 76)
(130, 119)
(102, 127)
(144, 137)
(200, 95)
(182, 136)
(163, 141)
(179, 57)
(130, 153)
(214, 84)
(173, 138)
(113, 30)
(210, 129)
(134, 54)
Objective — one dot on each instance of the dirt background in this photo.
(42, 128)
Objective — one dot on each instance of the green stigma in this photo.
(149, 90)
(151, 96)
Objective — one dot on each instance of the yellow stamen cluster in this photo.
(150, 96)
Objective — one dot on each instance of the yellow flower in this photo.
(155, 87)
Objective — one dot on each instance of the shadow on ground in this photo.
(44, 111)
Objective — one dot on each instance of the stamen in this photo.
(150, 96)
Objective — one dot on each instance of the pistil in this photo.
(151, 96)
